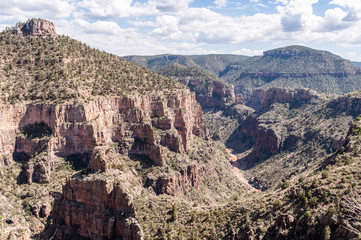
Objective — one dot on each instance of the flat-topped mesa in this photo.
(288, 95)
(37, 27)
(289, 51)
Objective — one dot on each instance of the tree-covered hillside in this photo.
(294, 66)
(61, 68)
(214, 63)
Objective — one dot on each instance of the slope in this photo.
(122, 132)
(295, 67)
(215, 63)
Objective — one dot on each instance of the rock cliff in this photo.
(211, 92)
(130, 123)
(287, 95)
(97, 207)
(38, 28)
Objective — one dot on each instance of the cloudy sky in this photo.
(247, 27)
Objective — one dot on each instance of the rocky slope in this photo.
(214, 63)
(293, 127)
(126, 130)
(211, 92)
(295, 67)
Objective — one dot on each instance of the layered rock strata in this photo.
(140, 125)
(38, 28)
(97, 207)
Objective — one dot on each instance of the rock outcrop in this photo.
(179, 182)
(77, 129)
(219, 95)
(256, 99)
(287, 95)
(346, 103)
(100, 208)
(211, 92)
(38, 28)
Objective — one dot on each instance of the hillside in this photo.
(295, 67)
(215, 63)
(58, 68)
(88, 135)
(93, 146)
(211, 92)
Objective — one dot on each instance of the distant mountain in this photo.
(357, 64)
(214, 63)
(210, 90)
(294, 66)
(291, 66)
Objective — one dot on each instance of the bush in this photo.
(325, 174)
(174, 212)
(307, 215)
(285, 185)
(37, 130)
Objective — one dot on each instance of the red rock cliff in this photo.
(98, 207)
(129, 122)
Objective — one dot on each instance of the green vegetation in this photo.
(60, 68)
(37, 130)
(306, 68)
(215, 63)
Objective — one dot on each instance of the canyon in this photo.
(100, 148)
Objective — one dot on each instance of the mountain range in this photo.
(94, 146)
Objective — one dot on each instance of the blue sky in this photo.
(247, 27)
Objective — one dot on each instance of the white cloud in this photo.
(172, 5)
(172, 26)
(296, 15)
(21, 10)
(284, 2)
(248, 52)
(220, 3)
(332, 21)
(354, 7)
(107, 8)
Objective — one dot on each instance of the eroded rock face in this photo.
(214, 94)
(256, 99)
(78, 128)
(99, 208)
(268, 141)
(351, 104)
(287, 95)
(177, 183)
(37, 27)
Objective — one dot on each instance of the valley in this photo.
(96, 146)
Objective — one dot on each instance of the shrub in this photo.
(325, 174)
(307, 215)
(327, 233)
(285, 185)
(174, 212)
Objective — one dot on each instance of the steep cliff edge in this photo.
(126, 131)
(293, 67)
(211, 92)
(292, 127)
(98, 207)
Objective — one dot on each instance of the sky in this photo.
(245, 27)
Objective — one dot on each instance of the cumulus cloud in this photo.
(106, 8)
(248, 52)
(296, 15)
(333, 21)
(173, 26)
(21, 10)
(220, 3)
(354, 7)
(172, 5)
